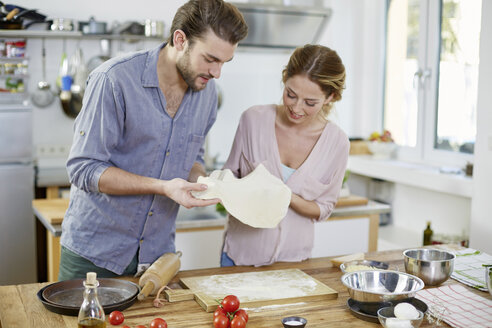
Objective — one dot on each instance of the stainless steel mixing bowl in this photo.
(359, 265)
(381, 285)
(433, 266)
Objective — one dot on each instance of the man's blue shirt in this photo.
(123, 123)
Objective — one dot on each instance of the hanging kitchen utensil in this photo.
(63, 70)
(43, 96)
(78, 71)
(99, 59)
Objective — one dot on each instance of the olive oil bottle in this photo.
(91, 312)
(428, 234)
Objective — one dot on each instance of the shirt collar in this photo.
(149, 76)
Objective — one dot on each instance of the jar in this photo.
(2, 48)
(21, 69)
(15, 48)
(9, 68)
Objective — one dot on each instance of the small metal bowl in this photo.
(381, 286)
(294, 322)
(433, 266)
(371, 265)
(387, 318)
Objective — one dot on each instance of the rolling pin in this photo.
(159, 274)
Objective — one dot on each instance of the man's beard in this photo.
(184, 69)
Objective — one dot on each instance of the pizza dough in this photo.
(260, 199)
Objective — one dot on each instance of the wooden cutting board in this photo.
(256, 289)
(351, 200)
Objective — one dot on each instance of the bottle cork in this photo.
(91, 278)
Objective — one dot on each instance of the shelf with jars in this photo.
(13, 71)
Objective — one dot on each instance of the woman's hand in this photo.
(179, 190)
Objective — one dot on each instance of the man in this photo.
(139, 136)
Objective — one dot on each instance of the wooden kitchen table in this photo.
(19, 306)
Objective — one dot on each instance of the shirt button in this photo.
(167, 153)
(82, 133)
(141, 240)
(151, 213)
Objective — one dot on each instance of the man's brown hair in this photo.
(195, 17)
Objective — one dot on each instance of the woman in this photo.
(297, 143)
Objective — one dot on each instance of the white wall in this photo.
(481, 211)
(251, 78)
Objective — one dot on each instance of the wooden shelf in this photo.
(37, 34)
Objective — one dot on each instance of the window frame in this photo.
(429, 50)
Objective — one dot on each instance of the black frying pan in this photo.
(65, 297)
(15, 22)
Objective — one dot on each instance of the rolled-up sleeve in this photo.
(328, 198)
(232, 162)
(96, 131)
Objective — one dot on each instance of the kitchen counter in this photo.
(19, 306)
(193, 224)
(51, 212)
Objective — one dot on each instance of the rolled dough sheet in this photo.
(260, 199)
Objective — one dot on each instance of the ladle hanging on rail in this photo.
(43, 96)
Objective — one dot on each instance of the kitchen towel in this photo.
(468, 268)
(458, 307)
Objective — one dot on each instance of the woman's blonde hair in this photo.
(321, 65)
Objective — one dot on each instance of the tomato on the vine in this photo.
(238, 322)
(158, 323)
(220, 311)
(116, 318)
(221, 321)
(242, 313)
(230, 303)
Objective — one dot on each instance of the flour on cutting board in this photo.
(263, 285)
(272, 307)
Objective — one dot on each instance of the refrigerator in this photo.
(17, 222)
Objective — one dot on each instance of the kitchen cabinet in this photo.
(19, 306)
(201, 247)
(199, 232)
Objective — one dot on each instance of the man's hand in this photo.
(179, 190)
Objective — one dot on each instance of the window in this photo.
(432, 78)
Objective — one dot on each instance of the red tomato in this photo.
(230, 303)
(238, 322)
(221, 321)
(125, 326)
(140, 326)
(158, 323)
(116, 318)
(243, 314)
(220, 311)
